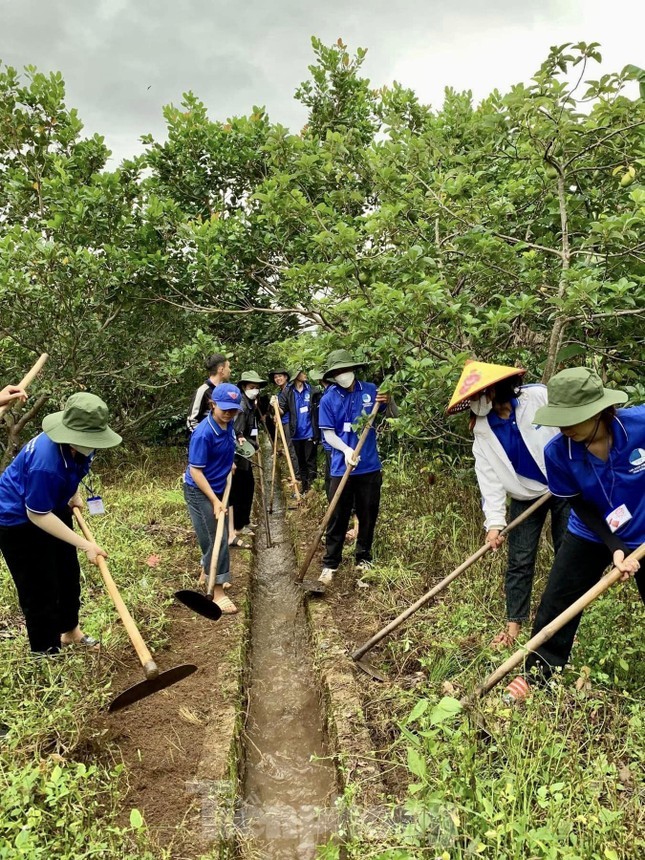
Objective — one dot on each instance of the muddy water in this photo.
(290, 782)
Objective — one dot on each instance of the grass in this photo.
(563, 775)
(61, 787)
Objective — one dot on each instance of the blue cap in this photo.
(227, 396)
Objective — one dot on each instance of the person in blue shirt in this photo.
(509, 462)
(210, 459)
(296, 401)
(37, 493)
(247, 428)
(318, 394)
(597, 463)
(347, 400)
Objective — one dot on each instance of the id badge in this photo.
(304, 409)
(618, 517)
(254, 431)
(95, 505)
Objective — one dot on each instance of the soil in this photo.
(160, 739)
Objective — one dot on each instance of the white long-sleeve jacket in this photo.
(495, 474)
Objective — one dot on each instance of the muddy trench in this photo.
(289, 779)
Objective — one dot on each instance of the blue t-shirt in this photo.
(339, 409)
(43, 478)
(326, 445)
(573, 471)
(511, 440)
(212, 450)
(304, 430)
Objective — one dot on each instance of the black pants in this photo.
(578, 566)
(362, 493)
(292, 451)
(306, 452)
(48, 580)
(327, 473)
(241, 498)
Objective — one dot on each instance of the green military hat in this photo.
(341, 359)
(575, 395)
(83, 421)
(251, 376)
(284, 370)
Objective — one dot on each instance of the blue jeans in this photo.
(200, 509)
(523, 544)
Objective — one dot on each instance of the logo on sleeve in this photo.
(637, 460)
(367, 398)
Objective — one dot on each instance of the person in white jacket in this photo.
(509, 462)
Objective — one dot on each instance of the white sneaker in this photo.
(327, 575)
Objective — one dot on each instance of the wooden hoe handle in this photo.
(280, 428)
(150, 668)
(27, 379)
(219, 534)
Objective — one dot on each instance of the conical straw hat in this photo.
(475, 377)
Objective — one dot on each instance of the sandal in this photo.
(238, 543)
(502, 640)
(517, 691)
(226, 605)
(85, 641)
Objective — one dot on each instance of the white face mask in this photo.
(481, 405)
(84, 451)
(252, 393)
(345, 379)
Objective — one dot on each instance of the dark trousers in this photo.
(241, 498)
(327, 473)
(202, 516)
(306, 451)
(578, 566)
(523, 544)
(292, 451)
(48, 581)
(362, 494)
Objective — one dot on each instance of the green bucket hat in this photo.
(244, 449)
(83, 421)
(575, 395)
(294, 373)
(251, 376)
(341, 359)
(284, 370)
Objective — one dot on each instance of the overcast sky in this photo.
(122, 60)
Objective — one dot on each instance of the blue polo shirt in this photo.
(510, 438)
(326, 445)
(212, 450)
(43, 478)
(339, 409)
(573, 471)
(304, 430)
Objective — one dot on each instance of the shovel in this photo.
(280, 428)
(547, 632)
(203, 603)
(313, 586)
(27, 379)
(154, 680)
(422, 601)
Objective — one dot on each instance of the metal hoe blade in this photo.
(147, 688)
(370, 670)
(200, 603)
(312, 586)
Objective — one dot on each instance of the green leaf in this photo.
(416, 763)
(420, 708)
(136, 819)
(444, 710)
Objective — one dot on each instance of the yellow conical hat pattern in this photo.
(475, 377)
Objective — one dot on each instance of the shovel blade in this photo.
(147, 688)
(200, 603)
(312, 586)
(370, 671)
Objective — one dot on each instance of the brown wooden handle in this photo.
(273, 468)
(278, 421)
(552, 627)
(145, 657)
(427, 597)
(27, 379)
(339, 491)
(219, 534)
